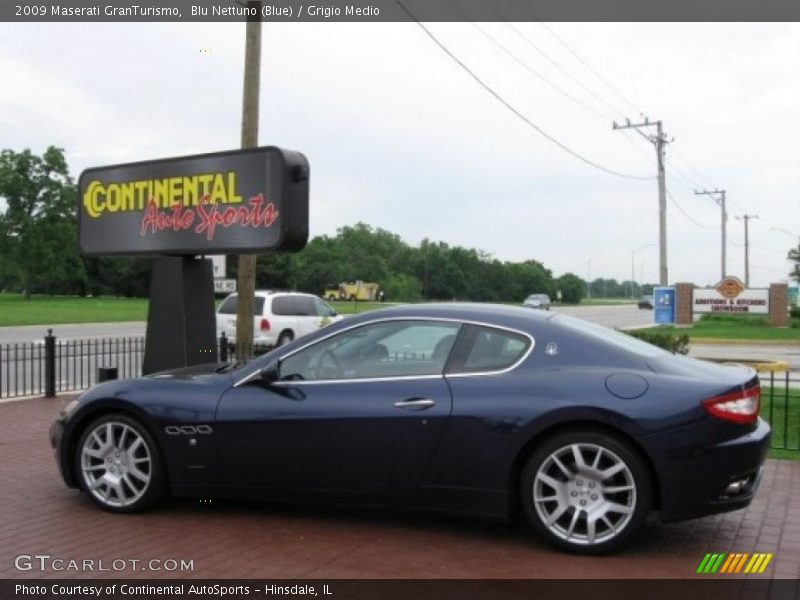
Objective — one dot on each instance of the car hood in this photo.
(195, 372)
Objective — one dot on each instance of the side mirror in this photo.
(271, 372)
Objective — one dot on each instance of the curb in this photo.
(742, 342)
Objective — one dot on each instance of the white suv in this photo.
(278, 317)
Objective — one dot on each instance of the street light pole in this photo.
(633, 268)
(746, 219)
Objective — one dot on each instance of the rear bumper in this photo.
(694, 481)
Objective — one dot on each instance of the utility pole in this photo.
(246, 274)
(719, 198)
(746, 219)
(659, 140)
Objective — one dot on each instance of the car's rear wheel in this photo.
(119, 464)
(284, 338)
(586, 491)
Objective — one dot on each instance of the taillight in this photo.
(264, 325)
(736, 407)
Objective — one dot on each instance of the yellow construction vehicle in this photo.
(354, 290)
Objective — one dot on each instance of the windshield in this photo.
(610, 336)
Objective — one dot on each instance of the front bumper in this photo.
(56, 442)
(695, 481)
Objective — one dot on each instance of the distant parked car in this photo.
(646, 302)
(278, 317)
(537, 301)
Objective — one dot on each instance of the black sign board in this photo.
(243, 201)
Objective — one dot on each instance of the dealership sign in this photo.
(730, 296)
(244, 201)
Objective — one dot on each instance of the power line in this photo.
(608, 84)
(547, 57)
(687, 215)
(511, 108)
(535, 73)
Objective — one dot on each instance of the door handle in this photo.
(415, 404)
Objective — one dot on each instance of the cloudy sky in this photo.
(400, 137)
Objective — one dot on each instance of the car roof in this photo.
(265, 293)
(498, 314)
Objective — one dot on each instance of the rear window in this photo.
(610, 336)
(231, 305)
(490, 349)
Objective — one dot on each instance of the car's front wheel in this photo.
(119, 464)
(586, 491)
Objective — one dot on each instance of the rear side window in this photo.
(489, 349)
(293, 306)
(231, 304)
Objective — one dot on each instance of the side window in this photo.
(231, 304)
(323, 308)
(305, 306)
(489, 349)
(282, 306)
(386, 349)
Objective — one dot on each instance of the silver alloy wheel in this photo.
(584, 494)
(116, 464)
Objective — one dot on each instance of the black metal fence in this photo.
(780, 407)
(50, 366)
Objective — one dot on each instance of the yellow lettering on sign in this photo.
(126, 196)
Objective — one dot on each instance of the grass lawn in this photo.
(729, 327)
(346, 307)
(51, 310)
(54, 310)
(783, 414)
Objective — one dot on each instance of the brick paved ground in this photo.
(39, 515)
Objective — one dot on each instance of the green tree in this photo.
(38, 223)
(572, 288)
(794, 255)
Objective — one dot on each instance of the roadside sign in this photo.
(218, 262)
(224, 286)
(664, 306)
(243, 201)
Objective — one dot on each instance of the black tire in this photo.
(141, 495)
(284, 338)
(575, 534)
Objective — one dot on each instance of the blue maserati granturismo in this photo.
(480, 409)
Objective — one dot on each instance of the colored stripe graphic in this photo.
(720, 562)
(701, 568)
(740, 564)
(711, 563)
(728, 565)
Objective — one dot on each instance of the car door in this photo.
(362, 410)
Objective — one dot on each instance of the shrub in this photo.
(747, 320)
(794, 312)
(672, 342)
